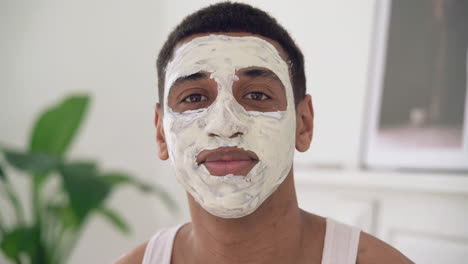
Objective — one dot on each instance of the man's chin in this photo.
(232, 213)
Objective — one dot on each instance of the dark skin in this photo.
(278, 231)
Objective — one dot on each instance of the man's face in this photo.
(229, 121)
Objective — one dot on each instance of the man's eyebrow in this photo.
(255, 73)
(192, 77)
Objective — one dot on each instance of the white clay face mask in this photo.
(269, 135)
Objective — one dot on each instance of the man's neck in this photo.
(274, 233)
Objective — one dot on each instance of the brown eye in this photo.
(257, 96)
(195, 98)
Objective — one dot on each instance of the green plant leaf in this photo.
(86, 191)
(56, 127)
(115, 219)
(119, 178)
(65, 214)
(17, 241)
(2, 174)
(31, 162)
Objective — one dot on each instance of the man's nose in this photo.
(225, 122)
(237, 134)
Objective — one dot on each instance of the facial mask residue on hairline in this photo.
(271, 135)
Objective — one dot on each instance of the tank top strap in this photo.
(159, 247)
(341, 243)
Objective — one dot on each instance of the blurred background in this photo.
(413, 198)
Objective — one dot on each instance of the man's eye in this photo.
(195, 98)
(259, 96)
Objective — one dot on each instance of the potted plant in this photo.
(64, 192)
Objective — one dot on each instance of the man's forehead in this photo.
(275, 44)
(248, 72)
(225, 58)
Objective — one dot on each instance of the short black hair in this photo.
(235, 17)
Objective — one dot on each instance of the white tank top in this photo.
(340, 247)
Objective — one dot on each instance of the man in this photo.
(233, 109)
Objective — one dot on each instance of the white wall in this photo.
(107, 48)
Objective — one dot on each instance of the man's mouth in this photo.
(227, 160)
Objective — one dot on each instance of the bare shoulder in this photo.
(374, 250)
(135, 256)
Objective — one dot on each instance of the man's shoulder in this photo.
(133, 256)
(374, 250)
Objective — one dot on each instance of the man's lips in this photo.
(227, 160)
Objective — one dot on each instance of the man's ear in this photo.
(304, 123)
(160, 137)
